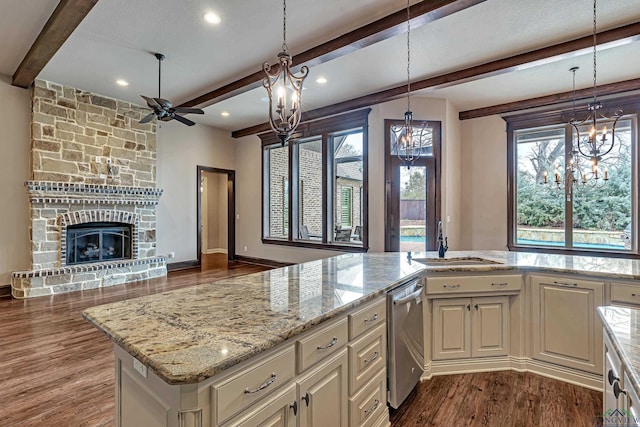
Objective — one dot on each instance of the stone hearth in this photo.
(55, 206)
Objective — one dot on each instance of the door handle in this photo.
(469, 307)
(413, 296)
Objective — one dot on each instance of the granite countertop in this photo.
(188, 335)
(623, 327)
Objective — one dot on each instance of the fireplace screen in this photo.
(98, 241)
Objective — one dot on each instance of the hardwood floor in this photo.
(55, 368)
(505, 399)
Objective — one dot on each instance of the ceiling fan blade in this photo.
(151, 102)
(165, 103)
(186, 110)
(183, 120)
(147, 118)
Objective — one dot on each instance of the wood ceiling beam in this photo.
(382, 29)
(557, 52)
(62, 22)
(545, 101)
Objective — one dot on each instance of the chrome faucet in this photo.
(443, 244)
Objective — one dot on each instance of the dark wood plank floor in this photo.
(55, 368)
(502, 399)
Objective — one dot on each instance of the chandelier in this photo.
(409, 140)
(284, 104)
(600, 129)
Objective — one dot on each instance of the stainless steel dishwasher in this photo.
(405, 340)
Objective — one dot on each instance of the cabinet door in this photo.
(451, 328)
(490, 326)
(277, 412)
(323, 395)
(565, 328)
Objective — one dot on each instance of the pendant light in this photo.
(409, 140)
(601, 135)
(284, 89)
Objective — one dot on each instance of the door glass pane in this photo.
(310, 189)
(602, 210)
(540, 207)
(413, 208)
(278, 214)
(347, 188)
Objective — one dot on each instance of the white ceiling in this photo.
(117, 38)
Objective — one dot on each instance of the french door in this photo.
(412, 193)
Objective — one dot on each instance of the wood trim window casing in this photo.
(560, 115)
(325, 128)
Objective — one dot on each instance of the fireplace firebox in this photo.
(97, 242)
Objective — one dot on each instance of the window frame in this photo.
(325, 128)
(560, 116)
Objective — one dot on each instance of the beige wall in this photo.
(14, 171)
(180, 150)
(248, 228)
(484, 184)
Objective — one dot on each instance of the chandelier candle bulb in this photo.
(606, 174)
(545, 177)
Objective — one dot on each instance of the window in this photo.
(580, 218)
(315, 189)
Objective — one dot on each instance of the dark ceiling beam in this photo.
(382, 29)
(545, 101)
(557, 52)
(62, 22)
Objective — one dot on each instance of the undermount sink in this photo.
(455, 261)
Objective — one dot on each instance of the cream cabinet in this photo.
(323, 395)
(470, 327)
(564, 321)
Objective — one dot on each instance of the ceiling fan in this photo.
(163, 109)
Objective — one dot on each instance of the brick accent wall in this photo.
(82, 137)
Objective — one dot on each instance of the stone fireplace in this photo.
(92, 195)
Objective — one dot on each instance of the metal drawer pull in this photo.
(333, 342)
(373, 319)
(264, 385)
(612, 377)
(500, 284)
(294, 406)
(571, 285)
(451, 286)
(617, 390)
(368, 412)
(374, 357)
(306, 398)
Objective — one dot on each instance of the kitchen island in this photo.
(196, 340)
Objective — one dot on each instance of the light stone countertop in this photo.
(623, 327)
(191, 334)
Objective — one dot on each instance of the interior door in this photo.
(412, 196)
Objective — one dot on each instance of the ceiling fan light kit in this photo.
(163, 109)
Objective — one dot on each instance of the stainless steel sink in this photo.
(436, 262)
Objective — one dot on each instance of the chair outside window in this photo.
(304, 233)
(343, 235)
(358, 233)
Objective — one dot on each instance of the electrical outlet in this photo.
(138, 366)
(245, 249)
(237, 216)
(171, 255)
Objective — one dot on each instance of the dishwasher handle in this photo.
(415, 295)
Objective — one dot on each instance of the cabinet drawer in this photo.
(366, 407)
(367, 318)
(366, 357)
(459, 284)
(321, 344)
(625, 294)
(253, 383)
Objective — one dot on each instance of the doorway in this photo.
(216, 213)
(412, 195)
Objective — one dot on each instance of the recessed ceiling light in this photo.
(121, 82)
(321, 80)
(224, 114)
(212, 18)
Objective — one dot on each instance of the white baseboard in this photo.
(215, 251)
(519, 364)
